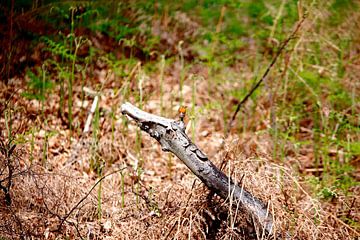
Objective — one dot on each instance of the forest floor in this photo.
(76, 168)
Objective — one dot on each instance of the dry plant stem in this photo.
(172, 137)
(64, 218)
(183, 211)
(256, 86)
(7, 150)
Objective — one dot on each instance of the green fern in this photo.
(37, 87)
(58, 48)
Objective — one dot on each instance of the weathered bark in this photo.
(172, 137)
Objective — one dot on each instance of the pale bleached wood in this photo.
(172, 137)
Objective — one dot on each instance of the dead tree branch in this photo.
(172, 137)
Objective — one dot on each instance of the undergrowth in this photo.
(205, 55)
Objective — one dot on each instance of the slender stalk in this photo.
(99, 206)
(122, 190)
(282, 47)
(193, 103)
(32, 145)
(182, 72)
(72, 76)
(162, 68)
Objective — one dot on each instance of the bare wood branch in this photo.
(172, 137)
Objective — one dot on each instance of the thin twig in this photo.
(183, 210)
(344, 224)
(18, 221)
(282, 47)
(83, 199)
(258, 83)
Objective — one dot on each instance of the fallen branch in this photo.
(172, 137)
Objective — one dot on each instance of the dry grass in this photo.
(164, 202)
(155, 196)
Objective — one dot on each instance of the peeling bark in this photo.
(172, 137)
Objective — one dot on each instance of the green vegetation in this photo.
(205, 55)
